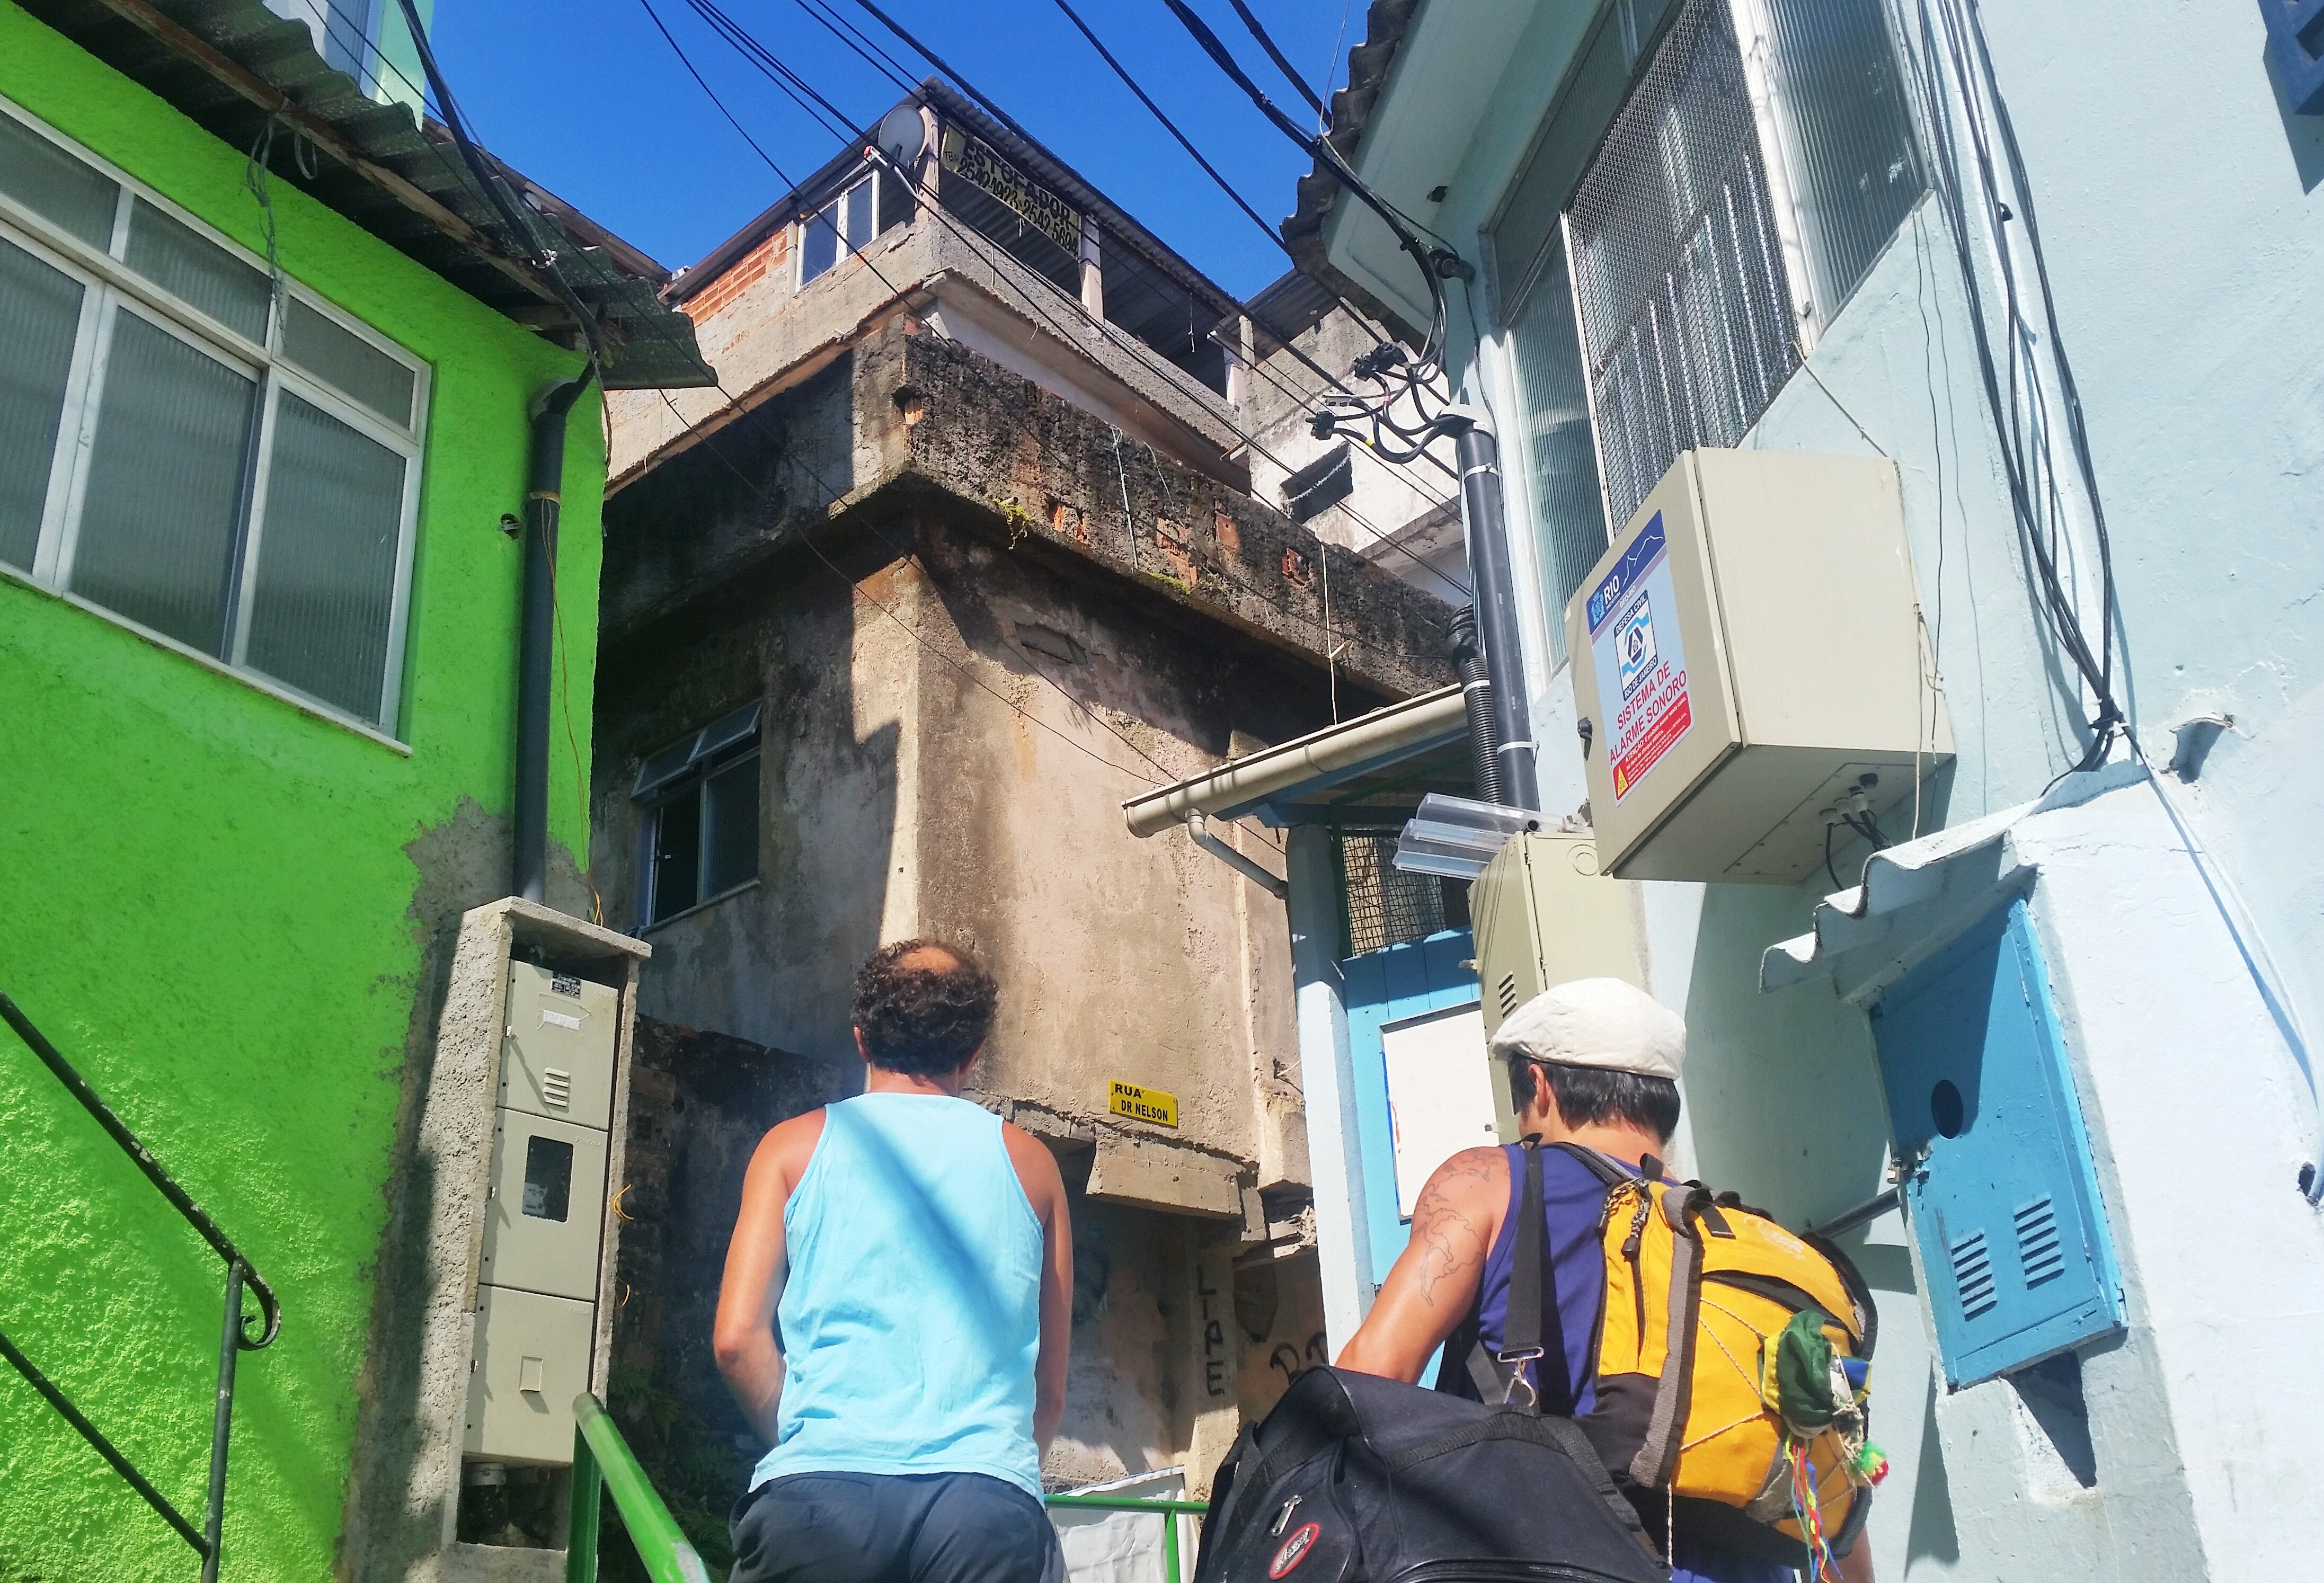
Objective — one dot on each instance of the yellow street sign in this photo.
(1127, 1099)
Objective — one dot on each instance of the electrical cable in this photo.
(783, 76)
(2037, 537)
(522, 232)
(1290, 73)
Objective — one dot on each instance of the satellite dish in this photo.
(902, 136)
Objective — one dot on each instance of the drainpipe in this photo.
(1476, 701)
(1478, 458)
(536, 635)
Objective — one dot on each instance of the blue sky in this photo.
(586, 97)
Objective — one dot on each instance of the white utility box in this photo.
(1745, 655)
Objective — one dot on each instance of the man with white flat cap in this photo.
(1594, 1064)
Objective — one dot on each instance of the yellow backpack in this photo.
(1731, 1365)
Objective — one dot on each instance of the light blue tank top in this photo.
(911, 1315)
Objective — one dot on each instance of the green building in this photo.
(268, 364)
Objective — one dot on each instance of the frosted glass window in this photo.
(323, 594)
(247, 498)
(52, 183)
(192, 268)
(346, 361)
(1561, 464)
(1847, 135)
(165, 482)
(40, 318)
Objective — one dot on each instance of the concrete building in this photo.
(887, 638)
(272, 366)
(1959, 242)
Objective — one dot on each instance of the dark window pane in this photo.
(51, 182)
(548, 1178)
(164, 495)
(897, 200)
(677, 854)
(191, 267)
(325, 585)
(730, 839)
(40, 314)
(819, 246)
(858, 214)
(341, 358)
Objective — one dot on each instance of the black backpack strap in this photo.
(1599, 1166)
(1532, 1330)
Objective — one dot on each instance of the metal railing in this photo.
(602, 1460)
(233, 1339)
(1169, 1509)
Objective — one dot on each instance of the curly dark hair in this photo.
(923, 1006)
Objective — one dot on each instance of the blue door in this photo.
(2004, 1202)
(1383, 987)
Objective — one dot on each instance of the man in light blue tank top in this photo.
(897, 1308)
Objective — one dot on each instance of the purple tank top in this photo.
(1573, 1266)
(1573, 1275)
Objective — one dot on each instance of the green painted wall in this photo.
(205, 901)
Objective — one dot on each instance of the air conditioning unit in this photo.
(1545, 916)
(1749, 668)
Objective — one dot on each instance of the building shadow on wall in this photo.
(699, 1103)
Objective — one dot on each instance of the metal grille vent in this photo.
(1973, 1274)
(557, 1087)
(2041, 1254)
(1386, 905)
(1686, 311)
(1506, 992)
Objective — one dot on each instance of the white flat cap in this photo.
(1596, 1022)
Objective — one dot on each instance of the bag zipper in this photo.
(1638, 1273)
(1493, 1571)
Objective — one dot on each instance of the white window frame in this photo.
(869, 179)
(111, 287)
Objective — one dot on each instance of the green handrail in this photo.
(601, 1460)
(1172, 1510)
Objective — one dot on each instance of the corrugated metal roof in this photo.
(232, 65)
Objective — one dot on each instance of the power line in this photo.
(1290, 73)
(783, 77)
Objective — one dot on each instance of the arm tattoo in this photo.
(1449, 1241)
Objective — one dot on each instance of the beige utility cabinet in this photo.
(541, 1270)
(1746, 656)
(1545, 916)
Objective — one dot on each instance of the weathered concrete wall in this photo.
(764, 337)
(1406, 518)
(964, 673)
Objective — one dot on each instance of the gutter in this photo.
(1337, 753)
(536, 634)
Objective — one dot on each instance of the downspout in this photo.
(1476, 701)
(537, 634)
(1478, 458)
(1198, 827)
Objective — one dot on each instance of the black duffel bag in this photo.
(1353, 1479)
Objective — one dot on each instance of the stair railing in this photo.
(602, 1460)
(1170, 1510)
(233, 1339)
